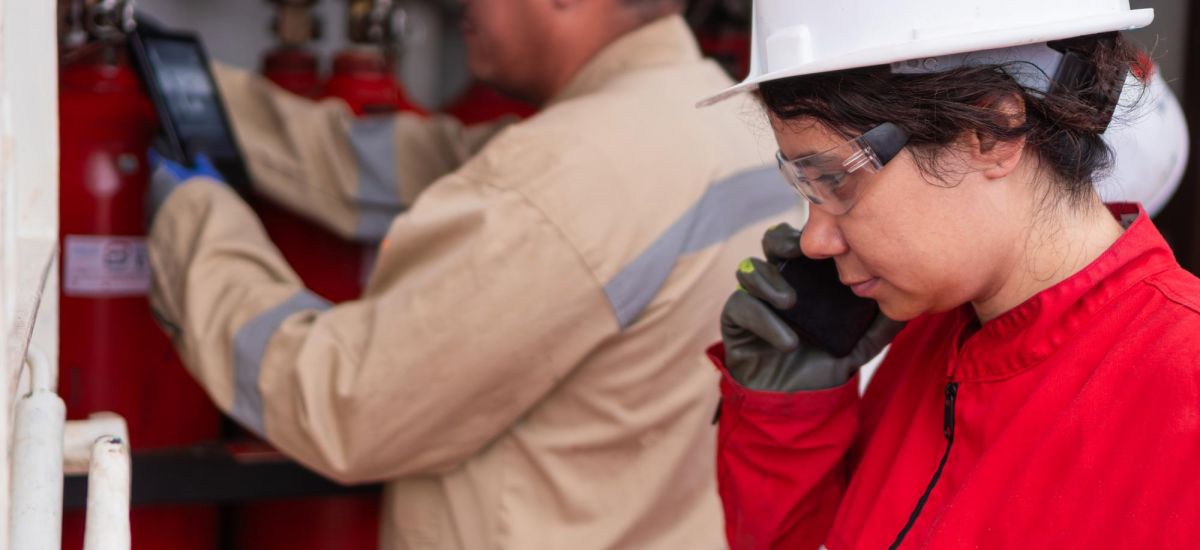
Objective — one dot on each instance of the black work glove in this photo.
(762, 352)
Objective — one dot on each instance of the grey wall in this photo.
(238, 32)
(1167, 37)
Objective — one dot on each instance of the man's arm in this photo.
(351, 175)
(477, 310)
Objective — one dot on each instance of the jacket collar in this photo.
(666, 41)
(1028, 334)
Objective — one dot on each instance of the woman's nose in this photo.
(821, 238)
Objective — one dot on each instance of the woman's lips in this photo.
(864, 288)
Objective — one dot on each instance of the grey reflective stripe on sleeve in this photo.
(249, 347)
(725, 209)
(378, 194)
(374, 222)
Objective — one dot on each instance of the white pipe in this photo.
(80, 436)
(107, 526)
(35, 518)
(41, 376)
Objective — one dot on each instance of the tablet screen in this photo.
(191, 97)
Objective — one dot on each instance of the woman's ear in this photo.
(998, 156)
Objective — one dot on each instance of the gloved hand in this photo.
(167, 175)
(762, 352)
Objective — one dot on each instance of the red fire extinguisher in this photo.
(291, 64)
(364, 78)
(349, 522)
(481, 103)
(730, 47)
(295, 69)
(364, 73)
(723, 31)
(113, 357)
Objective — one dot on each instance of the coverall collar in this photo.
(667, 41)
(1025, 336)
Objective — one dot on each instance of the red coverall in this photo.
(1071, 421)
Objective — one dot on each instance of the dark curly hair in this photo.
(1063, 126)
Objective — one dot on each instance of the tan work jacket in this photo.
(525, 369)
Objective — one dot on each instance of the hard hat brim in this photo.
(949, 44)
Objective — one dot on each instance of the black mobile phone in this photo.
(827, 313)
(175, 71)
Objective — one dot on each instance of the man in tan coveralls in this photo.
(525, 369)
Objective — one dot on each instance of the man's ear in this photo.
(995, 155)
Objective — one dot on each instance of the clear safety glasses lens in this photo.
(831, 179)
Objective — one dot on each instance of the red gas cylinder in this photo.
(328, 265)
(113, 356)
(730, 47)
(327, 523)
(293, 68)
(482, 103)
(363, 78)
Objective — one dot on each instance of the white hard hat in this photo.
(1149, 139)
(802, 37)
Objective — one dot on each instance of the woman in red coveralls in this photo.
(1045, 390)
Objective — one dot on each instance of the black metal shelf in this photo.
(215, 473)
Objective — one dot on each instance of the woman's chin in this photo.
(899, 310)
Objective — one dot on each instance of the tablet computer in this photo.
(176, 72)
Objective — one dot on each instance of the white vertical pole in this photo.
(8, 285)
(28, 205)
(37, 467)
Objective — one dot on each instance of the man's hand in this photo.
(166, 175)
(761, 351)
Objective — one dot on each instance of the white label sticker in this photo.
(105, 266)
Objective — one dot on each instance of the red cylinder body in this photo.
(363, 78)
(293, 68)
(730, 47)
(481, 103)
(329, 523)
(113, 356)
(328, 265)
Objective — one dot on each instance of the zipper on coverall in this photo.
(948, 429)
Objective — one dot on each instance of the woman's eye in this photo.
(832, 181)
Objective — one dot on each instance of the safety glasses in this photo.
(831, 179)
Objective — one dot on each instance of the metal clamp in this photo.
(109, 20)
(294, 22)
(375, 21)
